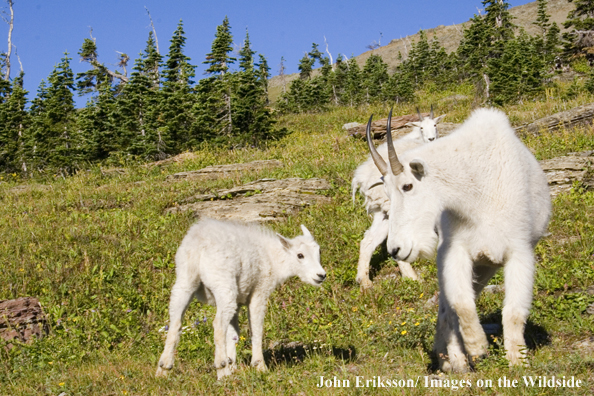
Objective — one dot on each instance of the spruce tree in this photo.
(174, 132)
(14, 120)
(305, 67)
(263, 75)
(53, 140)
(375, 75)
(580, 23)
(219, 60)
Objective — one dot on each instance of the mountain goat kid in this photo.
(226, 264)
(488, 198)
(367, 179)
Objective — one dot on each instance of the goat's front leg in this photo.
(519, 280)
(374, 236)
(257, 312)
(226, 310)
(181, 295)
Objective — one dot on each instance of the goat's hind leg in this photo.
(374, 236)
(519, 280)
(181, 295)
(232, 340)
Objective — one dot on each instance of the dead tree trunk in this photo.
(11, 26)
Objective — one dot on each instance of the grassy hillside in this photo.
(97, 250)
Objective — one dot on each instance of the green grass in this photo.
(98, 252)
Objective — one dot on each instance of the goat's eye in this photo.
(300, 256)
(407, 187)
(382, 179)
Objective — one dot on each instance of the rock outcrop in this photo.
(562, 172)
(259, 201)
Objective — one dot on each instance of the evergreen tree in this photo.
(353, 92)
(14, 120)
(219, 60)
(484, 40)
(520, 72)
(577, 42)
(375, 75)
(173, 135)
(305, 67)
(53, 140)
(263, 75)
(542, 17)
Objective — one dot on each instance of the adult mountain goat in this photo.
(367, 179)
(487, 197)
(226, 264)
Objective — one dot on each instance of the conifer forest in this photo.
(161, 108)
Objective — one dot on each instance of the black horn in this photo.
(392, 157)
(419, 113)
(432, 117)
(377, 159)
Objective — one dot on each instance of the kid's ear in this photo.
(418, 168)
(306, 231)
(413, 124)
(285, 242)
(438, 119)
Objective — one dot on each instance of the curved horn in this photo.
(394, 162)
(419, 113)
(377, 159)
(432, 117)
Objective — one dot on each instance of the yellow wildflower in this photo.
(403, 332)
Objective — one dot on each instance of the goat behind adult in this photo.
(488, 197)
(367, 179)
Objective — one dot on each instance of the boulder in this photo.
(22, 319)
(219, 171)
(259, 201)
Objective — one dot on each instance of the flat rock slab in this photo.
(219, 171)
(259, 201)
(22, 319)
(578, 116)
(562, 172)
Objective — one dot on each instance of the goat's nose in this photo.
(394, 253)
(322, 276)
(431, 139)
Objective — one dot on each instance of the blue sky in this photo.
(44, 30)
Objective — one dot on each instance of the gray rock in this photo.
(219, 171)
(350, 125)
(562, 172)
(492, 289)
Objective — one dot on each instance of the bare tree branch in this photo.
(329, 54)
(18, 57)
(154, 30)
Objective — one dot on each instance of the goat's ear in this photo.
(306, 231)
(284, 241)
(418, 168)
(438, 119)
(413, 124)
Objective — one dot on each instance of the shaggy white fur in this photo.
(226, 264)
(367, 179)
(488, 198)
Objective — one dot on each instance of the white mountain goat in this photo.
(367, 179)
(488, 198)
(226, 264)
